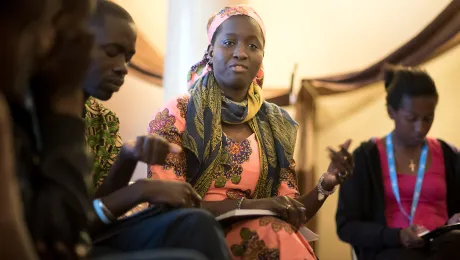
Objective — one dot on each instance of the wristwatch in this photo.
(322, 193)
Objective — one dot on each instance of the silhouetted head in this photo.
(27, 34)
(30, 30)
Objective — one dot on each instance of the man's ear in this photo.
(391, 112)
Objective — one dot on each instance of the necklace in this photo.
(412, 165)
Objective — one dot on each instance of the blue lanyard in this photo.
(394, 177)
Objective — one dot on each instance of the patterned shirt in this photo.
(102, 138)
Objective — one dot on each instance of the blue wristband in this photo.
(97, 204)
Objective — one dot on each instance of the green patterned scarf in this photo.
(203, 138)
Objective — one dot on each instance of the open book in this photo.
(431, 235)
(242, 214)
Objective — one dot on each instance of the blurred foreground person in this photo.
(43, 157)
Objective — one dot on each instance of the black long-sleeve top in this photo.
(52, 167)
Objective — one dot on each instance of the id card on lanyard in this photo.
(394, 177)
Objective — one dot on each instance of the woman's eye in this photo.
(253, 46)
(411, 118)
(229, 43)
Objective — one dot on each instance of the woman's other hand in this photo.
(341, 165)
(289, 209)
(409, 237)
(150, 149)
(332, 179)
(454, 219)
(172, 193)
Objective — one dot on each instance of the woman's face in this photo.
(237, 52)
(414, 118)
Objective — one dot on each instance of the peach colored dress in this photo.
(262, 238)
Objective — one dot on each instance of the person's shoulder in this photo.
(444, 143)
(446, 147)
(366, 146)
(96, 108)
(177, 106)
(172, 115)
(278, 112)
(179, 99)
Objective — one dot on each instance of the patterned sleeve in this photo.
(117, 142)
(169, 123)
(103, 138)
(112, 147)
(288, 186)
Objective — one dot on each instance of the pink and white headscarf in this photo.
(202, 67)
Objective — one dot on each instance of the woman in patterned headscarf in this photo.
(238, 149)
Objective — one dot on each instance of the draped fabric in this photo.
(439, 36)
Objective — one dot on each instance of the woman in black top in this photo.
(369, 216)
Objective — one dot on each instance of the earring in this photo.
(209, 60)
